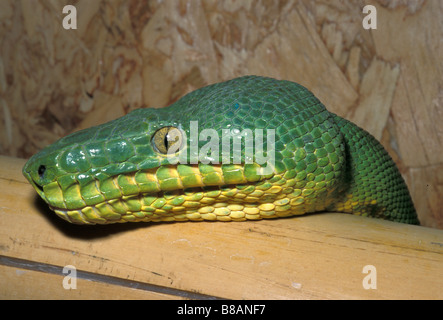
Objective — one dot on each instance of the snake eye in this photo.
(167, 140)
(41, 171)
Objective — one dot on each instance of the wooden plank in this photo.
(18, 283)
(319, 256)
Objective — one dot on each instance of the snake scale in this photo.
(156, 165)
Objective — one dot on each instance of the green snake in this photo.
(197, 160)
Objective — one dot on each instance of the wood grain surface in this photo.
(318, 256)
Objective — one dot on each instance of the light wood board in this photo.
(319, 256)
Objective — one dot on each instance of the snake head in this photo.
(41, 170)
(124, 170)
(79, 169)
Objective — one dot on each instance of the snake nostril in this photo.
(41, 170)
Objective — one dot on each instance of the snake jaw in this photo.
(37, 187)
(230, 203)
(163, 194)
(183, 193)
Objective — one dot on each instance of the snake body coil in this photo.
(125, 170)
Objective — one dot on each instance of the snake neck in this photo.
(373, 186)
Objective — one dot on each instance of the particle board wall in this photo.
(131, 54)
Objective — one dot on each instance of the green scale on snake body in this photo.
(124, 170)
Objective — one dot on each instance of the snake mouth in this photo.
(167, 193)
(35, 185)
(212, 203)
(251, 201)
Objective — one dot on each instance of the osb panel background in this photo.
(131, 54)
